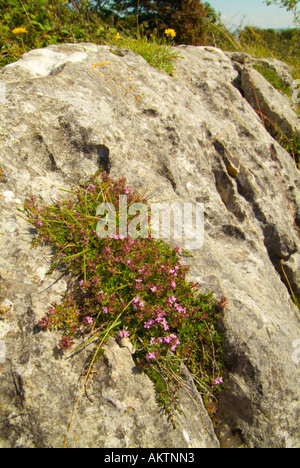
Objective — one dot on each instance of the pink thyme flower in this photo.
(173, 340)
(172, 299)
(126, 190)
(165, 324)
(123, 333)
(150, 356)
(89, 320)
(218, 381)
(149, 323)
(153, 289)
(91, 187)
(104, 310)
(136, 300)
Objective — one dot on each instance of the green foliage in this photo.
(130, 287)
(273, 78)
(157, 52)
(29, 25)
(190, 18)
(283, 44)
(292, 145)
(48, 22)
(45, 22)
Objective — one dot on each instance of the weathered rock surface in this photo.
(70, 109)
(266, 99)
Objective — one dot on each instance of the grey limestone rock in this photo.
(70, 109)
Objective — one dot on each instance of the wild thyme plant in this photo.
(164, 316)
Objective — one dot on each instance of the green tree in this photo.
(190, 18)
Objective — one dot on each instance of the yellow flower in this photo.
(170, 33)
(19, 31)
(117, 36)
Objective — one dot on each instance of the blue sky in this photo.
(252, 13)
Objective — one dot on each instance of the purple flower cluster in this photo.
(139, 285)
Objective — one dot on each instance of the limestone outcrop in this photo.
(72, 108)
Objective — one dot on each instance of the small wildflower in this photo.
(117, 36)
(91, 187)
(153, 289)
(88, 320)
(123, 333)
(170, 33)
(218, 381)
(104, 310)
(150, 356)
(165, 324)
(136, 300)
(171, 299)
(149, 323)
(19, 31)
(126, 190)
(172, 339)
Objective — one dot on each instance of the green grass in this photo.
(273, 78)
(157, 52)
(32, 25)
